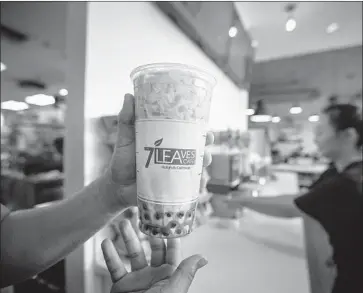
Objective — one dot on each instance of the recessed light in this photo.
(250, 112)
(275, 119)
(333, 27)
(295, 110)
(14, 105)
(40, 100)
(314, 118)
(260, 118)
(254, 44)
(3, 67)
(63, 92)
(290, 25)
(233, 31)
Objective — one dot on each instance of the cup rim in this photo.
(178, 66)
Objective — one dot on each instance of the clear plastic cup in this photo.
(172, 113)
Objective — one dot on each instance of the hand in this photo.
(162, 276)
(122, 171)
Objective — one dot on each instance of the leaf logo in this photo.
(158, 142)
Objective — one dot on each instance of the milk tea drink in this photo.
(172, 112)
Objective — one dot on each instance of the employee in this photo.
(335, 200)
(34, 240)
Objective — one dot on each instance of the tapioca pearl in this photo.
(165, 231)
(178, 231)
(158, 215)
(144, 206)
(168, 214)
(155, 231)
(180, 215)
(147, 217)
(189, 214)
(173, 225)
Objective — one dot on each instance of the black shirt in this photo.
(336, 202)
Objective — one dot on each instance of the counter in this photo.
(262, 255)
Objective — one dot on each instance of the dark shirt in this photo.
(336, 202)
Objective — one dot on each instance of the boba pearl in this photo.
(158, 215)
(169, 214)
(144, 205)
(180, 215)
(146, 217)
(178, 231)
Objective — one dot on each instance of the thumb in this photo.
(126, 120)
(185, 273)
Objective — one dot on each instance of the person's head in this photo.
(339, 132)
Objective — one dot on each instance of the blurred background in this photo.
(65, 68)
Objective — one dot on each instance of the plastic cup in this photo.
(172, 113)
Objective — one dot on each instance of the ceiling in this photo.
(265, 22)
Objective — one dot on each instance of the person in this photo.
(163, 275)
(334, 201)
(34, 240)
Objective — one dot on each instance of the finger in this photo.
(173, 251)
(127, 113)
(158, 251)
(126, 121)
(185, 273)
(207, 158)
(203, 183)
(210, 138)
(133, 246)
(114, 264)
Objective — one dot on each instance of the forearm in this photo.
(35, 239)
(279, 206)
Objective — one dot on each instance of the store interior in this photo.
(65, 68)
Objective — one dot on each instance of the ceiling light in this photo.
(314, 118)
(40, 100)
(250, 112)
(63, 92)
(275, 119)
(3, 67)
(295, 110)
(14, 105)
(261, 114)
(260, 118)
(333, 27)
(233, 31)
(254, 44)
(290, 25)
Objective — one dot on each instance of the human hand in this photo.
(122, 171)
(161, 276)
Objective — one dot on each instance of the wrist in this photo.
(112, 192)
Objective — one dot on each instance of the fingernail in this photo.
(202, 263)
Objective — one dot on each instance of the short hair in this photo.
(344, 116)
